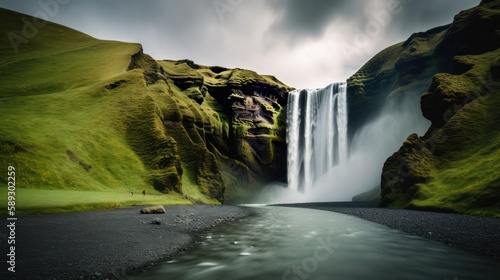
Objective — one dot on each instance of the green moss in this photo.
(453, 168)
(466, 175)
(179, 69)
(194, 123)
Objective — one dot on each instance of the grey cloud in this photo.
(309, 19)
(173, 16)
(178, 16)
(298, 18)
(286, 38)
(424, 14)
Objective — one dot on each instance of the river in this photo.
(298, 244)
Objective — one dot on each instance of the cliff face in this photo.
(409, 67)
(229, 124)
(453, 167)
(404, 69)
(80, 113)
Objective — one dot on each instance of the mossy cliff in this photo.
(455, 70)
(82, 114)
(229, 123)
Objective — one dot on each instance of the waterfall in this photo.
(316, 133)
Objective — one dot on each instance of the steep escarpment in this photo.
(454, 68)
(454, 166)
(403, 70)
(408, 68)
(229, 123)
(249, 142)
(102, 117)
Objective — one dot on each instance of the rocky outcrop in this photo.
(225, 127)
(408, 68)
(453, 166)
(254, 108)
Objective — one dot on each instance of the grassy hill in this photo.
(84, 120)
(62, 126)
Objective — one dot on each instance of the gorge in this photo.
(211, 134)
(98, 129)
(447, 75)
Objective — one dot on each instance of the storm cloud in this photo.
(302, 43)
(299, 19)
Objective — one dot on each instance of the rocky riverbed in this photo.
(106, 244)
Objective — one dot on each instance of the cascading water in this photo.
(319, 165)
(316, 134)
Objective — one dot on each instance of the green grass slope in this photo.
(72, 117)
(454, 168)
(465, 176)
(84, 120)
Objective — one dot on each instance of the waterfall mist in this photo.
(360, 170)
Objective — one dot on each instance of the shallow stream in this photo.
(298, 244)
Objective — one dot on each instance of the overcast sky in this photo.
(306, 44)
